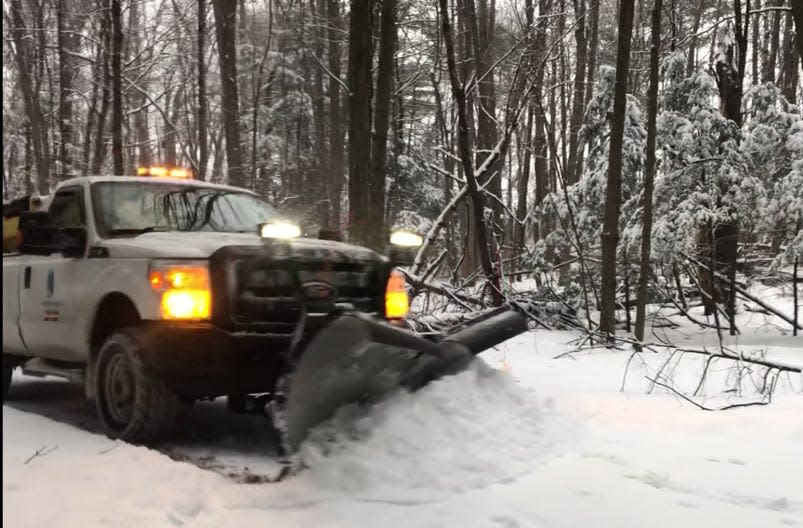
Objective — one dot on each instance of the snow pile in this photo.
(84, 479)
(410, 441)
(479, 449)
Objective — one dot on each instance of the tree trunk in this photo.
(564, 159)
(794, 298)
(360, 86)
(321, 184)
(578, 97)
(459, 95)
(522, 184)
(203, 148)
(540, 144)
(33, 111)
(592, 50)
(141, 154)
(756, 45)
(117, 89)
(68, 44)
(768, 74)
(375, 232)
(713, 48)
(336, 125)
(610, 229)
(91, 111)
(789, 66)
(797, 14)
(649, 171)
(471, 259)
(99, 153)
(226, 34)
(730, 78)
(691, 61)
(480, 30)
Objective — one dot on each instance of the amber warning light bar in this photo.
(165, 172)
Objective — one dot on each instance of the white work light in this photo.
(406, 239)
(279, 229)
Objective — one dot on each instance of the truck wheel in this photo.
(132, 404)
(8, 370)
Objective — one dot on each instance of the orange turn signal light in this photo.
(186, 304)
(397, 303)
(185, 291)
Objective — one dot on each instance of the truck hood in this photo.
(200, 245)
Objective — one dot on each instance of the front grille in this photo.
(263, 293)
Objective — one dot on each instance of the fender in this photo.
(128, 277)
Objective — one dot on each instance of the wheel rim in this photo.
(119, 389)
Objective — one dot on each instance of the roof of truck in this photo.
(152, 179)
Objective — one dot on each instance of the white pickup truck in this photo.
(158, 291)
(155, 292)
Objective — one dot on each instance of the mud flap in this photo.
(356, 359)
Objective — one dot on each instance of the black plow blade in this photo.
(356, 359)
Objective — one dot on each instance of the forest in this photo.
(576, 157)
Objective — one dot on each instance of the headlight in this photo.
(184, 287)
(279, 229)
(406, 239)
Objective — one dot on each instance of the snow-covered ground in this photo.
(523, 439)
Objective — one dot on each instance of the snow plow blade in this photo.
(356, 359)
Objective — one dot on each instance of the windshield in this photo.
(136, 207)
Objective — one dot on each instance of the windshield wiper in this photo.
(135, 230)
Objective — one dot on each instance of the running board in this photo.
(42, 367)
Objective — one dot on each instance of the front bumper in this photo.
(202, 360)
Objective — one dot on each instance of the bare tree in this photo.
(578, 97)
(789, 64)
(203, 149)
(730, 79)
(459, 94)
(226, 33)
(610, 229)
(360, 86)
(382, 99)
(68, 43)
(768, 73)
(22, 39)
(99, 150)
(649, 171)
(335, 121)
(797, 14)
(117, 89)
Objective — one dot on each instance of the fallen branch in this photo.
(463, 300)
(112, 448)
(701, 406)
(741, 291)
(726, 353)
(41, 452)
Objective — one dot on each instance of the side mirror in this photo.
(33, 232)
(71, 241)
(40, 238)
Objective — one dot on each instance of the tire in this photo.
(8, 370)
(131, 403)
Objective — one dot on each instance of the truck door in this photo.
(48, 292)
(12, 339)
